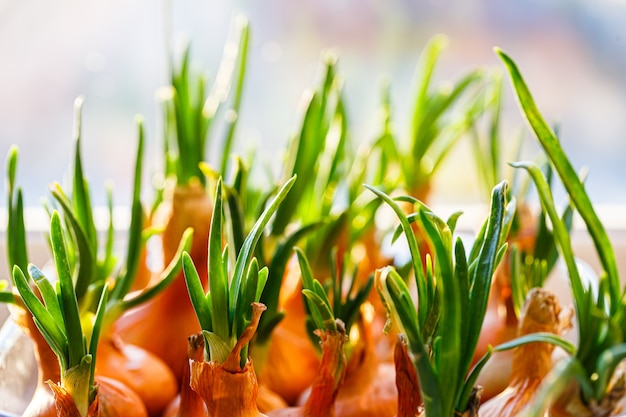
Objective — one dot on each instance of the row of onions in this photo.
(294, 299)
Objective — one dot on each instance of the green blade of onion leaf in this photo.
(95, 332)
(538, 337)
(424, 73)
(6, 297)
(560, 232)
(398, 300)
(196, 293)
(470, 382)
(17, 251)
(447, 358)
(569, 178)
(277, 267)
(55, 336)
(262, 280)
(218, 348)
(47, 292)
(106, 265)
(241, 56)
(247, 249)
(307, 283)
(69, 303)
(306, 151)
(462, 281)
(249, 289)
(218, 281)
(165, 278)
(418, 268)
(135, 241)
(80, 190)
(482, 275)
(324, 319)
(86, 251)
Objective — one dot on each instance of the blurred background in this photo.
(572, 54)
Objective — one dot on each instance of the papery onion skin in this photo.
(226, 393)
(409, 397)
(531, 362)
(188, 403)
(113, 399)
(369, 387)
(226, 388)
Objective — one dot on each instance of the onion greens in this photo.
(91, 272)
(225, 311)
(600, 315)
(451, 302)
(190, 111)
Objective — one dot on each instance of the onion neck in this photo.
(541, 314)
(409, 398)
(191, 404)
(330, 375)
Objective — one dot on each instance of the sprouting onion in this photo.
(600, 316)
(452, 299)
(221, 311)
(229, 315)
(94, 265)
(59, 321)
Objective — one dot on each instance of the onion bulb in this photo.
(531, 362)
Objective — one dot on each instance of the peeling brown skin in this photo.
(188, 403)
(228, 389)
(409, 397)
(531, 362)
(369, 388)
(113, 399)
(163, 324)
(328, 381)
